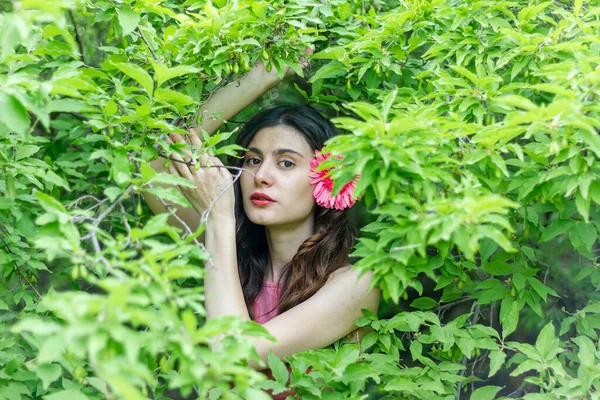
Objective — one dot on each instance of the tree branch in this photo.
(77, 36)
(19, 271)
(141, 34)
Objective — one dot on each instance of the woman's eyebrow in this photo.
(276, 152)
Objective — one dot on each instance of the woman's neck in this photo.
(283, 244)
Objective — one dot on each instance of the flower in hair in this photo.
(324, 185)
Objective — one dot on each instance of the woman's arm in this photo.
(321, 320)
(228, 101)
(236, 96)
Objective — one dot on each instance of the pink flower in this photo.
(324, 185)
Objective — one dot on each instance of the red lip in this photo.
(260, 196)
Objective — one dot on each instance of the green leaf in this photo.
(587, 349)
(25, 150)
(544, 341)
(589, 138)
(369, 314)
(128, 19)
(37, 326)
(49, 203)
(171, 96)
(259, 8)
(278, 368)
(331, 53)
(162, 73)
(588, 234)
(485, 393)
(48, 373)
(497, 358)
(346, 355)
(466, 73)
(369, 340)
(359, 373)
(169, 194)
(52, 177)
(515, 101)
(525, 366)
(6, 203)
(577, 7)
(498, 268)
(255, 394)
(147, 172)
(13, 114)
(136, 73)
(170, 179)
(71, 394)
(497, 236)
(424, 303)
(387, 104)
(466, 346)
(583, 205)
(416, 349)
(540, 288)
(15, 28)
(112, 192)
(511, 320)
(333, 69)
(120, 168)
(401, 384)
(584, 184)
(556, 228)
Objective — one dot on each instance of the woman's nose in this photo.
(263, 176)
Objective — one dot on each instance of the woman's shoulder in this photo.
(348, 273)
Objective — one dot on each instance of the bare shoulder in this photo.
(347, 275)
(359, 292)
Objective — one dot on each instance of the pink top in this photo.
(264, 309)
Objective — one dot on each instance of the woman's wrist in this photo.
(217, 218)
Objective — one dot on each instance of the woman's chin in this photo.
(259, 217)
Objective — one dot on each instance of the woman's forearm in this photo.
(223, 290)
(234, 97)
(229, 101)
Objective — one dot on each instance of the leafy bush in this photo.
(474, 125)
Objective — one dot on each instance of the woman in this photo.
(278, 257)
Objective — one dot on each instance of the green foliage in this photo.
(474, 126)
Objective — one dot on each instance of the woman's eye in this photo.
(250, 160)
(287, 164)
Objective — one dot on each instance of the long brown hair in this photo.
(320, 254)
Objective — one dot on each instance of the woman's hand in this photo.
(214, 183)
(288, 71)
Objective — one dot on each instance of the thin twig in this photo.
(546, 274)
(441, 309)
(77, 36)
(19, 271)
(191, 164)
(93, 233)
(141, 34)
(78, 115)
(126, 224)
(113, 205)
(82, 198)
(169, 207)
(125, 219)
(206, 212)
(475, 309)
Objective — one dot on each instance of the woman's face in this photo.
(280, 159)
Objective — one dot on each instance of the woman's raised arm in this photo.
(228, 101)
